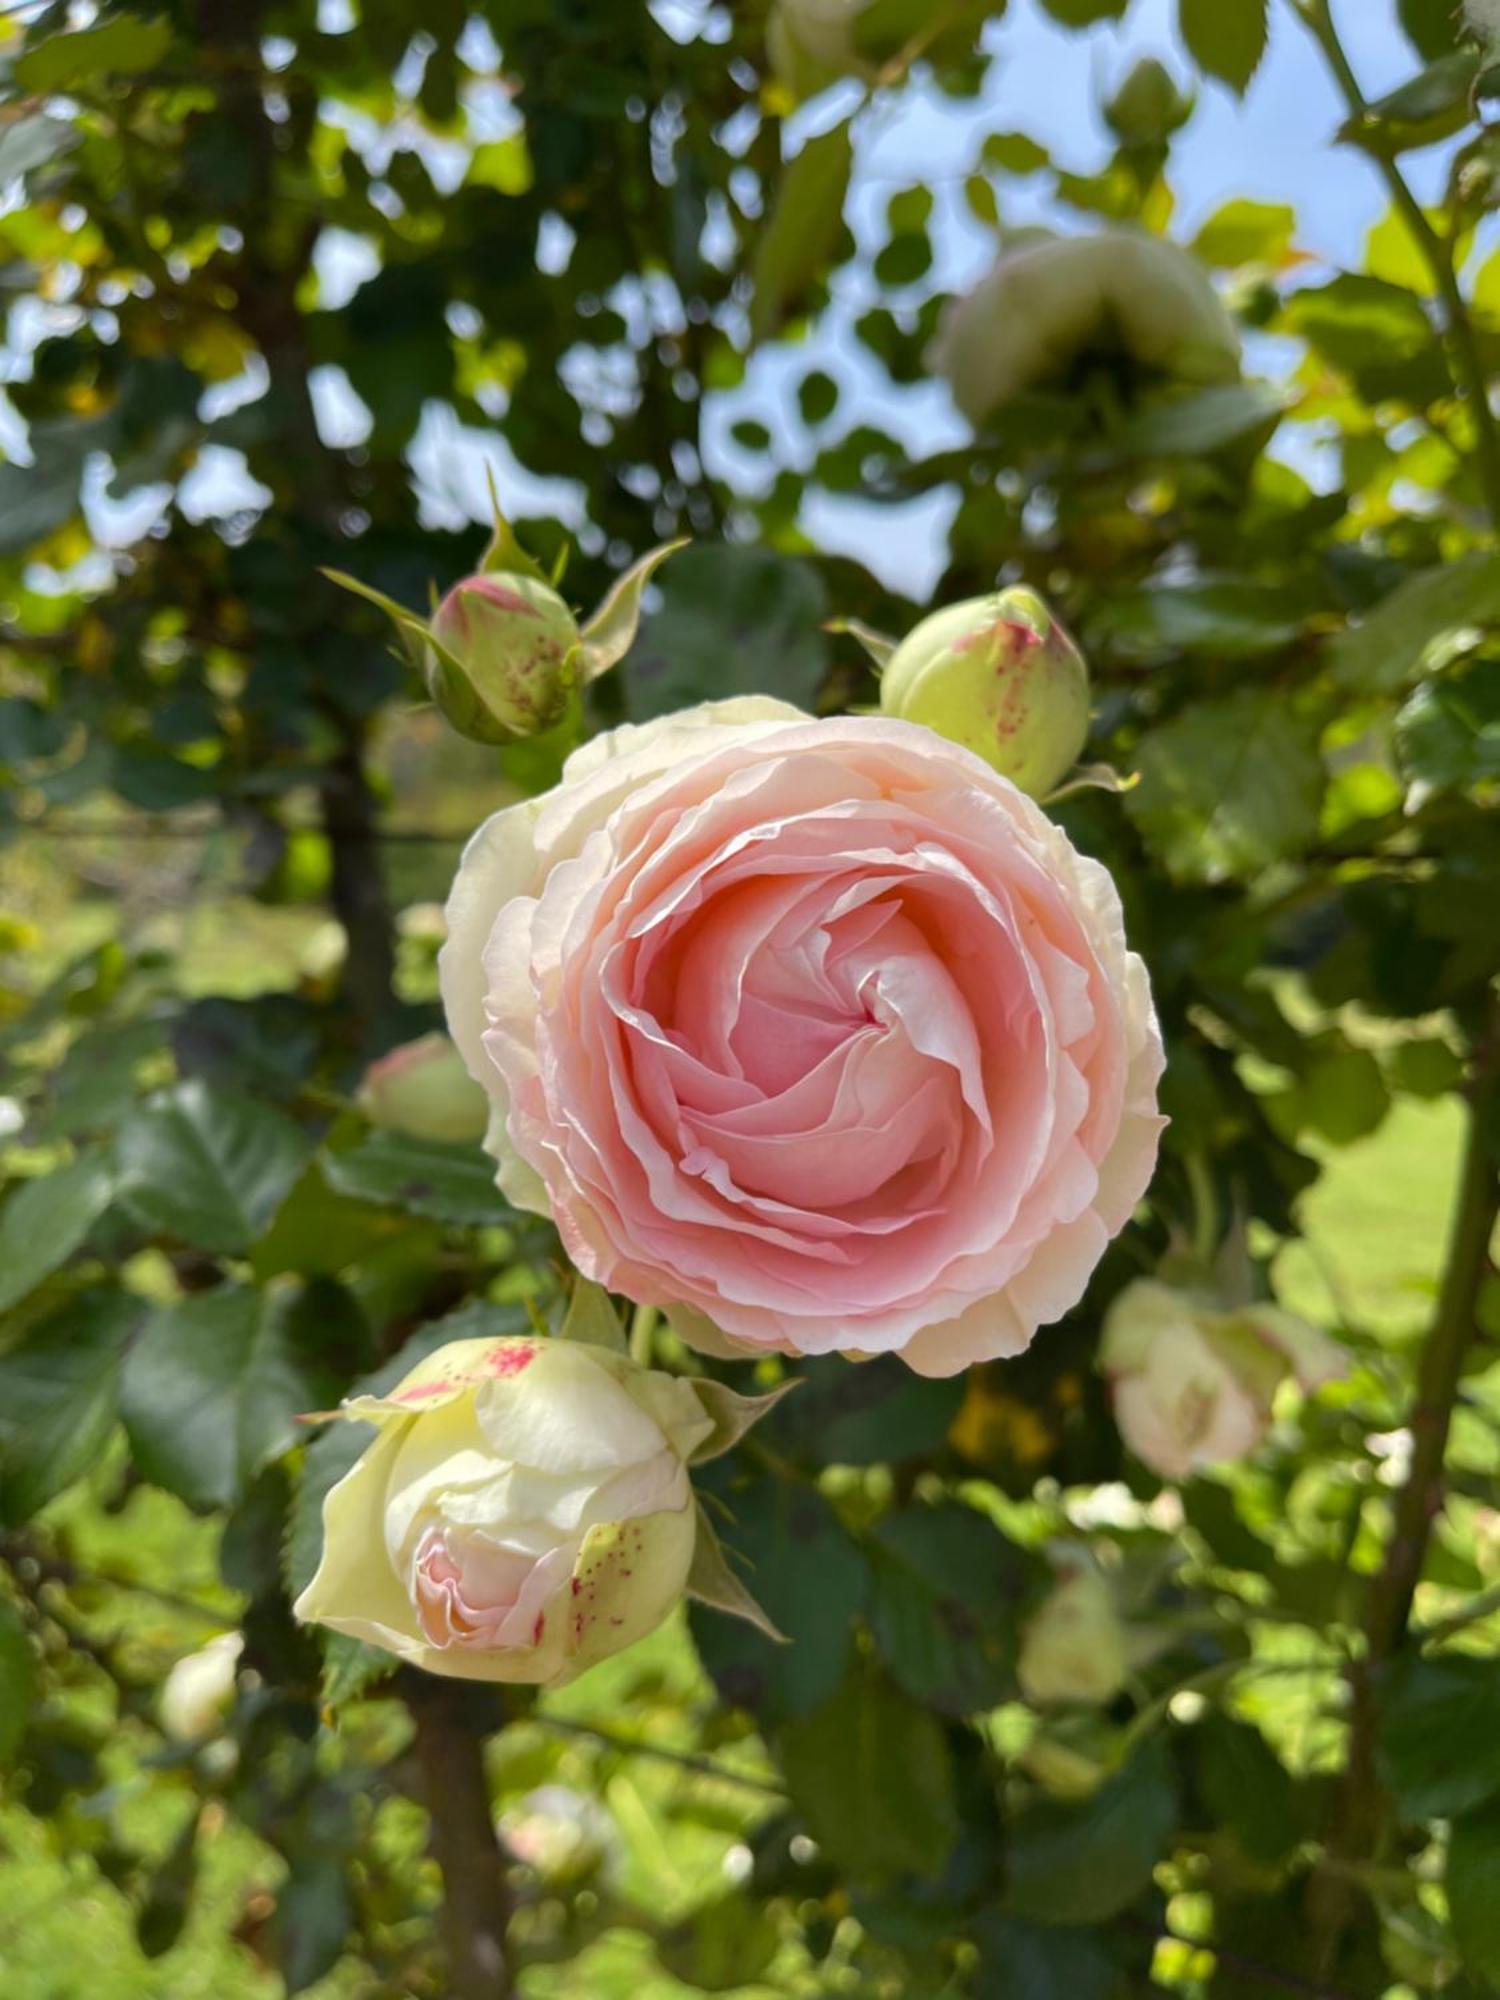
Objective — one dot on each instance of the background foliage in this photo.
(263, 258)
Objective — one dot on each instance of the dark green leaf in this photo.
(862, 1416)
(1227, 38)
(46, 1219)
(1431, 25)
(1387, 648)
(1376, 332)
(1246, 1787)
(57, 1399)
(872, 1776)
(944, 1585)
(802, 229)
(1430, 106)
(1473, 1871)
(1083, 1864)
(1439, 1744)
(1021, 1961)
(1227, 787)
(213, 1387)
(1083, 13)
(1448, 734)
(447, 1182)
(1186, 426)
(123, 45)
(208, 1166)
(732, 621)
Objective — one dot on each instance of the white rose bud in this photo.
(1052, 303)
(199, 1689)
(524, 1510)
(424, 1089)
(1002, 677)
(1193, 1385)
(1075, 1646)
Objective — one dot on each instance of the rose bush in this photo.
(523, 1511)
(818, 1034)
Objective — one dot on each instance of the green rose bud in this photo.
(424, 1089)
(1000, 676)
(1054, 304)
(1148, 107)
(509, 643)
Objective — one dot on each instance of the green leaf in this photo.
(1224, 616)
(1432, 26)
(610, 633)
(17, 1681)
(1189, 426)
(123, 45)
(1247, 1787)
(879, 1411)
(1084, 13)
(1378, 333)
(1246, 232)
(1021, 1961)
(872, 1776)
(802, 229)
(732, 621)
(1083, 1864)
(57, 1399)
(726, 1946)
(712, 1582)
(1472, 1873)
(208, 1166)
(1427, 108)
(1448, 734)
(808, 1573)
(1432, 609)
(46, 1219)
(943, 1594)
(32, 142)
(1226, 38)
(446, 1182)
(213, 1387)
(1227, 787)
(1439, 1743)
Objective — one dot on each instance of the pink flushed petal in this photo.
(1004, 969)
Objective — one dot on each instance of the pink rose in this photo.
(818, 1034)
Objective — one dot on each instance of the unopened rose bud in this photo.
(199, 1689)
(507, 643)
(1148, 107)
(424, 1090)
(1193, 1385)
(1075, 1646)
(524, 1509)
(1000, 676)
(1054, 304)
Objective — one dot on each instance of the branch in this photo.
(1437, 254)
(476, 1897)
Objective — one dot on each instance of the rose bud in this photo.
(1148, 107)
(1193, 1384)
(1054, 305)
(199, 1689)
(1075, 1646)
(524, 1510)
(424, 1089)
(1000, 676)
(509, 643)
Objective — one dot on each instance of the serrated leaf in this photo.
(431, 1177)
(46, 1219)
(945, 1585)
(714, 1583)
(1428, 107)
(58, 1392)
(1226, 38)
(1448, 734)
(208, 1166)
(802, 229)
(610, 633)
(1474, 1907)
(1388, 647)
(872, 1776)
(213, 1388)
(1227, 787)
(123, 45)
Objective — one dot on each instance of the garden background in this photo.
(283, 281)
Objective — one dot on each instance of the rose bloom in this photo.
(817, 1034)
(523, 1511)
(1193, 1385)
